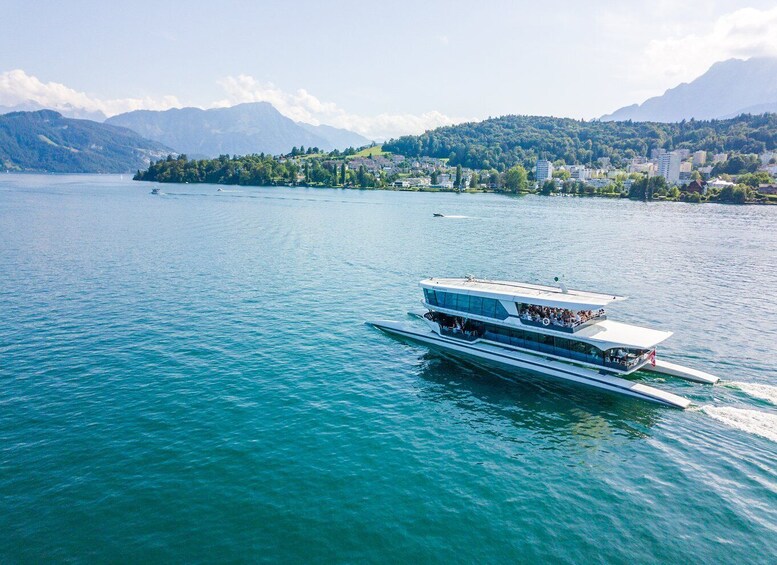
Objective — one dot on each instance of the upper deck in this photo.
(540, 295)
(539, 309)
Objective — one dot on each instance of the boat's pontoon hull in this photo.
(667, 368)
(534, 363)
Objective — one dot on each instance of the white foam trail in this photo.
(455, 217)
(756, 390)
(755, 422)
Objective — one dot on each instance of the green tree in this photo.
(458, 177)
(736, 165)
(493, 179)
(473, 180)
(516, 179)
(342, 173)
(754, 179)
(548, 187)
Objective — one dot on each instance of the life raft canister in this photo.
(546, 321)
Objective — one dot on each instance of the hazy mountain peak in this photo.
(66, 110)
(727, 89)
(252, 127)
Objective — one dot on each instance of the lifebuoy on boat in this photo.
(546, 321)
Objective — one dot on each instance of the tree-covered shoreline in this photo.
(499, 155)
(503, 142)
(264, 170)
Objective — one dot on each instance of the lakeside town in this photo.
(684, 175)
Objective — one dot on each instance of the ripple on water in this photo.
(189, 377)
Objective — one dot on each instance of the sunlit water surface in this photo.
(187, 377)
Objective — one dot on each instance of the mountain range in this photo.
(255, 127)
(66, 110)
(729, 88)
(46, 141)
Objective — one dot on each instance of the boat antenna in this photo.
(561, 285)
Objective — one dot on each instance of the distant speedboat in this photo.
(155, 190)
(220, 190)
(436, 215)
(548, 330)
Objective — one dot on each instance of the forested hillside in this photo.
(45, 141)
(509, 140)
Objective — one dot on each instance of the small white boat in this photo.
(544, 329)
(155, 190)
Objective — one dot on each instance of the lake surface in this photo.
(187, 377)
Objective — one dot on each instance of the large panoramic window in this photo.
(476, 305)
(553, 345)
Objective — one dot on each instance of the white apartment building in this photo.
(648, 168)
(578, 172)
(544, 170)
(669, 167)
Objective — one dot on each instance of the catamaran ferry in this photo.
(550, 330)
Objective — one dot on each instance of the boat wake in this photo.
(763, 424)
(756, 390)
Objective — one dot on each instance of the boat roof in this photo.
(608, 334)
(541, 295)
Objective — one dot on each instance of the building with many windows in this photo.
(544, 170)
(578, 172)
(669, 167)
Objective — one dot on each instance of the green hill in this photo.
(502, 142)
(45, 141)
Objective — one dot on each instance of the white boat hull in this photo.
(534, 363)
(667, 368)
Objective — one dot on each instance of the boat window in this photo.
(476, 305)
(462, 302)
(562, 347)
(489, 307)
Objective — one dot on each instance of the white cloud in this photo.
(302, 106)
(17, 87)
(748, 32)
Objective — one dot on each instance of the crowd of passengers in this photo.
(624, 358)
(561, 317)
(457, 325)
(472, 329)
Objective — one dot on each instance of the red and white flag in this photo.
(653, 357)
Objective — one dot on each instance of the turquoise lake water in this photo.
(188, 377)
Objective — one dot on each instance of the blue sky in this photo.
(378, 68)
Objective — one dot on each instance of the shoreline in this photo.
(613, 196)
